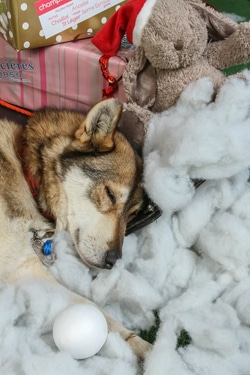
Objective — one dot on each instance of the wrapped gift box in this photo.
(37, 23)
(66, 75)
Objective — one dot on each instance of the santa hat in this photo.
(129, 19)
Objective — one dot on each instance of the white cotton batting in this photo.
(192, 264)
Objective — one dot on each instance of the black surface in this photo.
(12, 115)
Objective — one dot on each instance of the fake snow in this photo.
(192, 265)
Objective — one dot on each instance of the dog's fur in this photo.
(89, 180)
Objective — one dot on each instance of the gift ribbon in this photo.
(16, 108)
(112, 81)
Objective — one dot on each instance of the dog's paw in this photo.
(139, 346)
(42, 227)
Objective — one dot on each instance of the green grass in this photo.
(183, 340)
(239, 7)
(150, 335)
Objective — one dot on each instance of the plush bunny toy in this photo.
(177, 42)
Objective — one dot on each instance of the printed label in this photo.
(13, 70)
(59, 15)
(44, 6)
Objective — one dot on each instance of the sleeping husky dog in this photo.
(82, 172)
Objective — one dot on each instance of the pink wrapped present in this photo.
(66, 75)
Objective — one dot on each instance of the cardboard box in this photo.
(66, 75)
(36, 23)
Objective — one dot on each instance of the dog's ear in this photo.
(96, 133)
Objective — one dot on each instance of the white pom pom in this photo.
(80, 330)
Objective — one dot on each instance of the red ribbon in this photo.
(112, 81)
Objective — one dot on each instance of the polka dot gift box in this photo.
(27, 24)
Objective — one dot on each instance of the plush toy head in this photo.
(170, 40)
(177, 42)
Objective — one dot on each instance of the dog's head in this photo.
(100, 187)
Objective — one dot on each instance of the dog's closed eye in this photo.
(110, 195)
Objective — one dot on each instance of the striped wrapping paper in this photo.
(66, 75)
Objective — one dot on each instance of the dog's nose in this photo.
(111, 258)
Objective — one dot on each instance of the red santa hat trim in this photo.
(129, 19)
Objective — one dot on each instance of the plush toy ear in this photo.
(139, 80)
(96, 133)
(219, 26)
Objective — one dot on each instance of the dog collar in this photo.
(34, 183)
(43, 247)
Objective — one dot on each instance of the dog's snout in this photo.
(111, 258)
